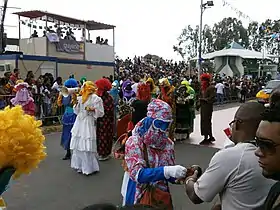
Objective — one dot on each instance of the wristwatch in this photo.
(190, 179)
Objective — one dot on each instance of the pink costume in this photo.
(24, 99)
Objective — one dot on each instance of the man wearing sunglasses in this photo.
(233, 173)
(268, 152)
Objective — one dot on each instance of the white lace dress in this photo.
(83, 141)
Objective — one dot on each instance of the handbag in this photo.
(154, 196)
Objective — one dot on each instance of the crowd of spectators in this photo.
(140, 68)
(45, 88)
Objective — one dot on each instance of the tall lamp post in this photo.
(203, 7)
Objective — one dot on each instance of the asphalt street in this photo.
(55, 186)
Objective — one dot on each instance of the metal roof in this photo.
(90, 25)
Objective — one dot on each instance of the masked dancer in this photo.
(114, 92)
(127, 91)
(206, 101)
(167, 95)
(185, 112)
(23, 98)
(105, 124)
(153, 87)
(83, 80)
(88, 109)
(67, 99)
(149, 155)
(139, 112)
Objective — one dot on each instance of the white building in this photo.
(229, 61)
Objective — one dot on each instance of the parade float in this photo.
(60, 56)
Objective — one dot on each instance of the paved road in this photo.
(55, 186)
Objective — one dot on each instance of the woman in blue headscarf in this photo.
(69, 117)
(114, 92)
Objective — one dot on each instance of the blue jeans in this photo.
(220, 98)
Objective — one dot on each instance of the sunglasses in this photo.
(161, 125)
(266, 146)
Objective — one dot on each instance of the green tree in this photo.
(254, 36)
(224, 32)
(228, 30)
(188, 41)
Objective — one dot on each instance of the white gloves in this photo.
(176, 172)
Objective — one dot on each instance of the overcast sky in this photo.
(146, 26)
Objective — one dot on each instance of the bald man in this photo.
(233, 173)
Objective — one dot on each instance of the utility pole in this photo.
(203, 6)
(2, 35)
(200, 39)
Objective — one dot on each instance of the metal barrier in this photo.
(47, 110)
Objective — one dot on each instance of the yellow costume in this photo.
(21, 145)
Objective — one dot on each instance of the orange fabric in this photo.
(123, 124)
(130, 126)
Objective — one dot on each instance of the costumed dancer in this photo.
(23, 98)
(150, 159)
(89, 107)
(105, 124)
(153, 87)
(167, 95)
(83, 80)
(205, 103)
(127, 95)
(127, 91)
(139, 112)
(185, 112)
(139, 106)
(67, 99)
(22, 146)
(114, 92)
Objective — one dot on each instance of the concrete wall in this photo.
(239, 65)
(33, 46)
(218, 61)
(38, 67)
(94, 52)
(97, 52)
(90, 72)
(227, 70)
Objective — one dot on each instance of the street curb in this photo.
(51, 129)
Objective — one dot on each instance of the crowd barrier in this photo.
(47, 110)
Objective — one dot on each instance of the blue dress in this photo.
(68, 120)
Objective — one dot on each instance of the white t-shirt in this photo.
(220, 88)
(134, 87)
(235, 175)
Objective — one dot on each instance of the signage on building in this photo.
(69, 46)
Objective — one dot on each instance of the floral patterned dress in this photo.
(160, 150)
(105, 127)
